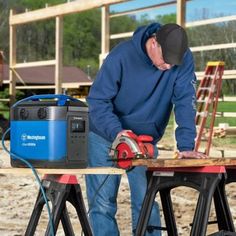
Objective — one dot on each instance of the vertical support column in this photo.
(180, 20)
(105, 40)
(12, 61)
(59, 53)
(181, 12)
(1, 68)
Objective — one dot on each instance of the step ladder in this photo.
(208, 93)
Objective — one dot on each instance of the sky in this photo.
(195, 9)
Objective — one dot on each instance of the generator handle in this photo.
(62, 98)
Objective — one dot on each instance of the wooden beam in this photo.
(59, 53)
(59, 10)
(213, 47)
(1, 67)
(105, 30)
(4, 100)
(34, 64)
(225, 114)
(181, 12)
(228, 99)
(76, 84)
(121, 35)
(228, 74)
(95, 170)
(141, 9)
(183, 163)
(31, 87)
(211, 21)
(12, 61)
(18, 76)
(105, 34)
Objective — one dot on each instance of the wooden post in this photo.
(59, 53)
(12, 61)
(181, 12)
(105, 40)
(1, 68)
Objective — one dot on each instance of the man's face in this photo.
(157, 57)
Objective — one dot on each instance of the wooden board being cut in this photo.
(95, 170)
(184, 162)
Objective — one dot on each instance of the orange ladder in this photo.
(208, 93)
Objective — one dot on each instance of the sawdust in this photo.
(18, 194)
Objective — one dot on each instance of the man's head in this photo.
(174, 43)
(171, 43)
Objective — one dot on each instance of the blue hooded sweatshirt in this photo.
(129, 92)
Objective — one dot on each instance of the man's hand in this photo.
(190, 155)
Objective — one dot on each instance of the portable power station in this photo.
(49, 131)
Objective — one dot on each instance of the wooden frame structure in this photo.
(56, 12)
(106, 37)
(180, 19)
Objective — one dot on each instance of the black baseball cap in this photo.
(174, 43)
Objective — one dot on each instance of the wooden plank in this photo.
(34, 64)
(58, 52)
(76, 84)
(225, 114)
(36, 87)
(105, 30)
(12, 61)
(213, 47)
(64, 85)
(18, 76)
(141, 9)
(95, 170)
(121, 35)
(228, 74)
(181, 12)
(4, 99)
(185, 162)
(59, 10)
(227, 99)
(211, 21)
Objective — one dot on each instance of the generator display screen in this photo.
(78, 126)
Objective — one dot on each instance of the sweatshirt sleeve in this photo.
(184, 100)
(101, 95)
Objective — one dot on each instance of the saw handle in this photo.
(144, 138)
(138, 138)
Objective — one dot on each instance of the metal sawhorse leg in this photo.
(59, 189)
(205, 180)
(224, 218)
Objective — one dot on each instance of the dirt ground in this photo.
(18, 194)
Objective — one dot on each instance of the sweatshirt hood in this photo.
(140, 37)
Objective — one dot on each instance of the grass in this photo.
(4, 111)
(226, 142)
(226, 106)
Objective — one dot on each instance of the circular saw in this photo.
(126, 148)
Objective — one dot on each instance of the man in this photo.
(137, 86)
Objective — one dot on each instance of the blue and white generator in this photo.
(49, 131)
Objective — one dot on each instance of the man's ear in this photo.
(154, 42)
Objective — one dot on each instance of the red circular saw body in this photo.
(124, 156)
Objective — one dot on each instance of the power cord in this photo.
(37, 179)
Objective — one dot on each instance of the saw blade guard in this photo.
(124, 149)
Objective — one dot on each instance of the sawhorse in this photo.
(208, 181)
(59, 189)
